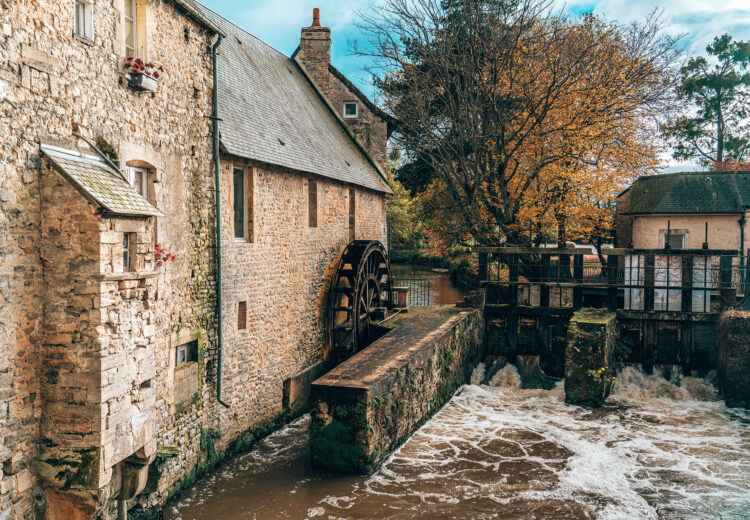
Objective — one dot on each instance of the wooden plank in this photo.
(578, 281)
(648, 295)
(533, 250)
(612, 263)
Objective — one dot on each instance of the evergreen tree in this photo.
(718, 131)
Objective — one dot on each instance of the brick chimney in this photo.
(315, 51)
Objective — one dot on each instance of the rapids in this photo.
(656, 450)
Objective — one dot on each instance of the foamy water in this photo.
(657, 450)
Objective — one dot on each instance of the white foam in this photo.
(658, 449)
(507, 377)
(478, 374)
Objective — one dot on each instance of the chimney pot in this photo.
(316, 18)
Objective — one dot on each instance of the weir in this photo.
(667, 308)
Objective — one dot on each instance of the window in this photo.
(134, 19)
(239, 203)
(130, 27)
(312, 203)
(242, 315)
(138, 178)
(350, 109)
(352, 213)
(84, 19)
(186, 353)
(127, 251)
(678, 238)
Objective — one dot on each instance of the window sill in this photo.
(84, 40)
(129, 275)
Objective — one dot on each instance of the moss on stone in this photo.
(589, 370)
(334, 448)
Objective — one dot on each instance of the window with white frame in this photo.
(129, 18)
(84, 19)
(138, 178)
(677, 238)
(350, 109)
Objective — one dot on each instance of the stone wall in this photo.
(76, 376)
(283, 277)
(734, 358)
(370, 404)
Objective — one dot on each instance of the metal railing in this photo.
(419, 291)
(680, 280)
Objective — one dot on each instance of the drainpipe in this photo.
(217, 180)
(742, 221)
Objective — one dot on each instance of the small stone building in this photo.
(695, 207)
(110, 344)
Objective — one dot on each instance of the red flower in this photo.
(159, 264)
(156, 75)
(139, 62)
(174, 257)
(161, 68)
(129, 58)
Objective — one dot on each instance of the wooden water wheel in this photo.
(361, 290)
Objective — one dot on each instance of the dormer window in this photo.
(350, 109)
(84, 20)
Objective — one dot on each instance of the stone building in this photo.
(110, 343)
(695, 207)
(300, 183)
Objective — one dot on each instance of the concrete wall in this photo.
(723, 230)
(283, 276)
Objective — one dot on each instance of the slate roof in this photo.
(191, 7)
(691, 192)
(271, 113)
(99, 182)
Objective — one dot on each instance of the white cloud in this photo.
(699, 20)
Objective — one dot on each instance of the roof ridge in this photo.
(699, 172)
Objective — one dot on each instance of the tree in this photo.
(517, 114)
(718, 129)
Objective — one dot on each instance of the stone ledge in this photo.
(131, 275)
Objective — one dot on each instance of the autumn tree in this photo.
(718, 92)
(518, 116)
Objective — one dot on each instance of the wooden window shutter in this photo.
(312, 195)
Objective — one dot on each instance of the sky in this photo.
(278, 23)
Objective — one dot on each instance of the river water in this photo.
(442, 290)
(656, 450)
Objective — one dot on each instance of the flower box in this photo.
(142, 76)
(142, 81)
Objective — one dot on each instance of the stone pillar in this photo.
(589, 357)
(734, 357)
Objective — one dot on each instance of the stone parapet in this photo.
(370, 404)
